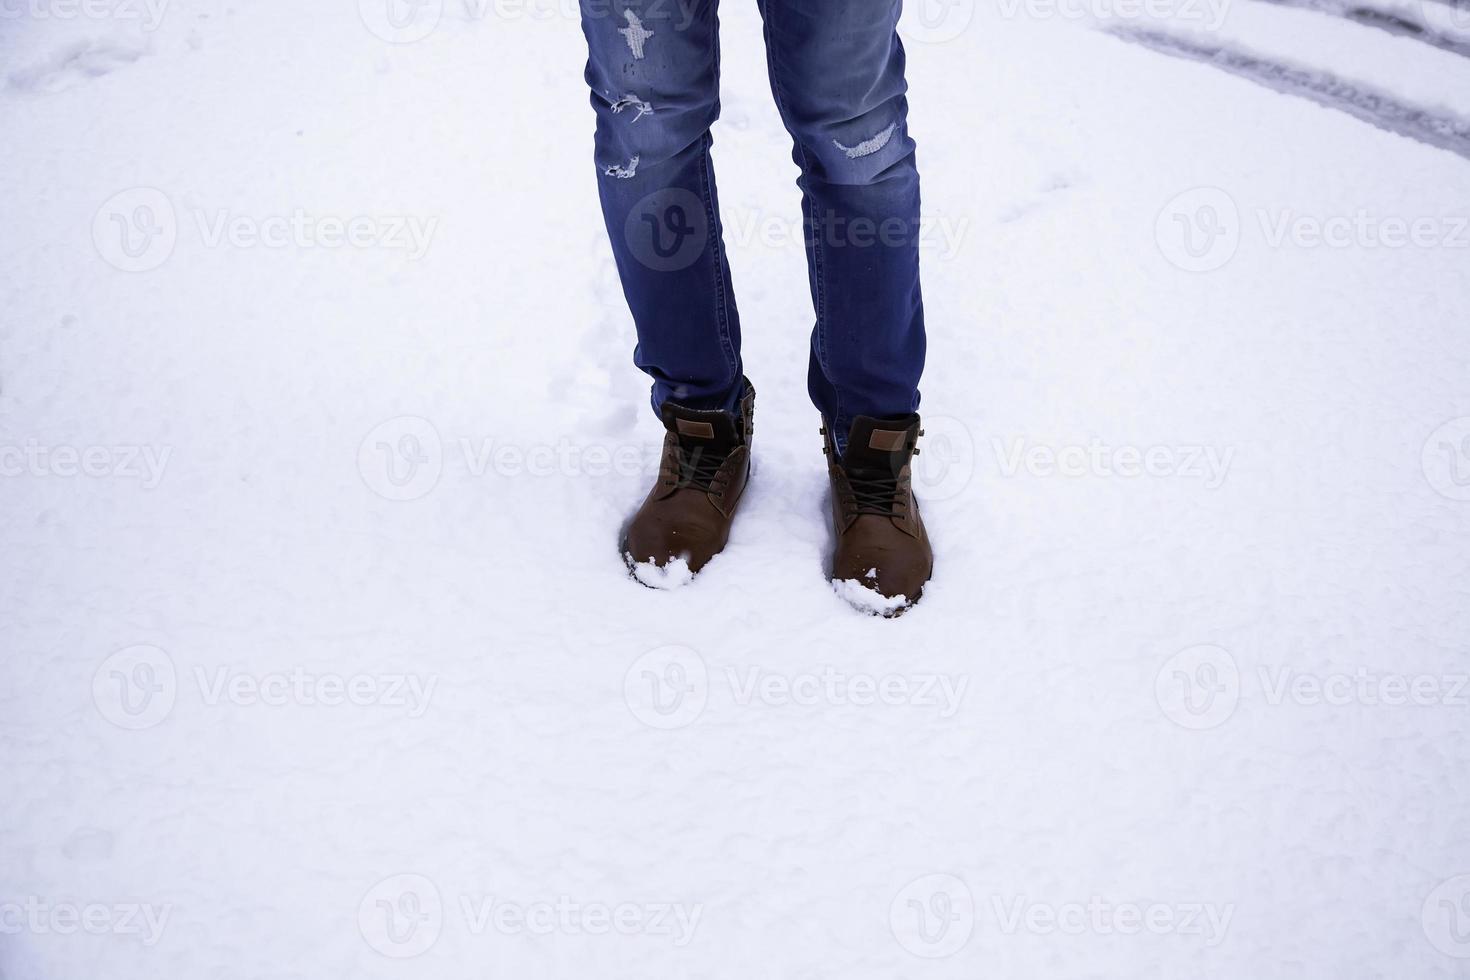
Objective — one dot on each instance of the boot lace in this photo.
(697, 468)
(879, 494)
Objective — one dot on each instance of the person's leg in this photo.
(837, 70)
(654, 74)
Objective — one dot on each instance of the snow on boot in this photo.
(685, 521)
(882, 557)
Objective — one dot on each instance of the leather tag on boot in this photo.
(695, 430)
(887, 440)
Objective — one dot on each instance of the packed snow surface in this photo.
(318, 425)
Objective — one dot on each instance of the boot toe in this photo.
(694, 543)
(894, 578)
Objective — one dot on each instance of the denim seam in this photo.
(722, 300)
(722, 315)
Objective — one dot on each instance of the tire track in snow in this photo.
(1397, 22)
(1439, 129)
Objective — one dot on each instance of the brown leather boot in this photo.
(882, 558)
(688, 513)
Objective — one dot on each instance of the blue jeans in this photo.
(837, 72)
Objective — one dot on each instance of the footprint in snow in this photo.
(77, 63)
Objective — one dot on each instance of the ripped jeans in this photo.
(837, 73)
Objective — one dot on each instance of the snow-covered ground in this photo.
(318, 422)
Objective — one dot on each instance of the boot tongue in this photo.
(879, 447)
(712, 431)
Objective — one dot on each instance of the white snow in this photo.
(318, 426)
(1309, 40)
(866, 599)
(673, 575)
